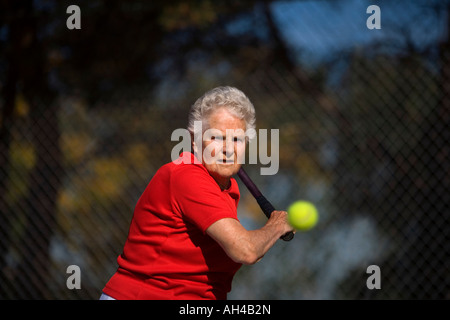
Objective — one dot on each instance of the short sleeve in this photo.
(198, 198)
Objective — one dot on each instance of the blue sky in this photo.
(318, 28)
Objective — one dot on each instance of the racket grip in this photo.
(268, 208)
(288, 236)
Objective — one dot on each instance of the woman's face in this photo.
(223, 147)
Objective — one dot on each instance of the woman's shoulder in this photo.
(184, 171)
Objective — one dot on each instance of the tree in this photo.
(120, 47)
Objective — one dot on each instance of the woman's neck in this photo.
(223, 183)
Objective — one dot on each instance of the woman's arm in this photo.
(244, 246)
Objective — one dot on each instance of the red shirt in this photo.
(168, 254)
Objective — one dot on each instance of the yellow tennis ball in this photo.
(302, 215)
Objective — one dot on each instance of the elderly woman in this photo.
(185, 240)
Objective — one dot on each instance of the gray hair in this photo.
(230, 98)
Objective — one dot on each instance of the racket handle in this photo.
(288, 236)
(268, 208)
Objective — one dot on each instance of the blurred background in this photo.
(87, 115)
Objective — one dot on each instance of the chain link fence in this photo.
(363, 122)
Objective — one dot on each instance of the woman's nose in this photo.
(229, 148)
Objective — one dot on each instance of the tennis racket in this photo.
(263, 203)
